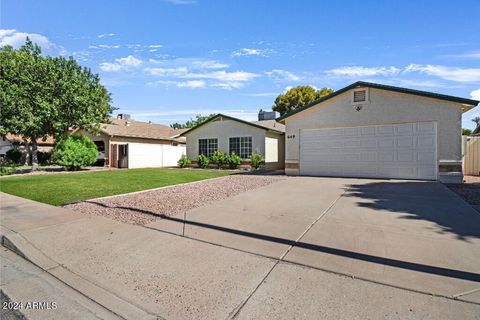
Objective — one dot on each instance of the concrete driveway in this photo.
(408, 234)
(303, 247)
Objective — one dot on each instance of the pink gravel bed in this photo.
(136, 208)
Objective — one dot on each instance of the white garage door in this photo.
(404, 151)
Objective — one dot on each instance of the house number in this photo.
(292, 136)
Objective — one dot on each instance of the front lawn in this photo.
(58, 189)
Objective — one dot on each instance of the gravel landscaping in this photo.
(142, 208)
(469, 190)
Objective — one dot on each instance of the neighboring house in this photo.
(10, 141)
(126, 143)
(229, 134)
(377, 131)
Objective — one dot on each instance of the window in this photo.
(359, 96)
(207, 146)
(242, 146)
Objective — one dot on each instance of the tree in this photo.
(298, 97)
(43, 95)
(476, 120)
(192, 122)
(75, 152)
(466, 132)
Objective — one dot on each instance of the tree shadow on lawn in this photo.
(446, 272)
(419, 200)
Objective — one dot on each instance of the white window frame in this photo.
(209, 149)
(242, 146)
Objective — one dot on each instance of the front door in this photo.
(123, 156)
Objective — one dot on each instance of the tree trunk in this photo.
(34, 154)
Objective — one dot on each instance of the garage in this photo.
(370, 130)
(404, 151)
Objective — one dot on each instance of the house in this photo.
(229, 134)
(377, 131)
(126, 143)
(10, 141)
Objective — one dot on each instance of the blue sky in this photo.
(167, 61)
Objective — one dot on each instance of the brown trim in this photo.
(291, 165)
(450, 168)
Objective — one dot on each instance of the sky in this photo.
(169, 60)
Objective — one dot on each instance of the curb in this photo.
(114, 304)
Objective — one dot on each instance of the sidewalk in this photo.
(140, 273)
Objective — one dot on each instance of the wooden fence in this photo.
(471, 155)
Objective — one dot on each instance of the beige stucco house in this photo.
(379, 131)
(126, 143)
(229, 134)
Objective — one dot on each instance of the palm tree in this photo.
(476, 120)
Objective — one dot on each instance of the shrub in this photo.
(7, 170)
(203, 161)
(14, 155)
(184, 161)
(256, 160)
(233, 161)
(75, 152)
(219, 158)
(44, 157)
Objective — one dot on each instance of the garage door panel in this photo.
(387, 151)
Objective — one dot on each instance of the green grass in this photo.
(58, 189)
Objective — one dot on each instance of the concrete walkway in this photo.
(142, 273)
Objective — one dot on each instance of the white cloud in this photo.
(209, 64)
(105, 35)
(252, 52)
(155, 46)
(447, 73)
(359, 71)
(167, 72)
(16, 39)
(192, 84)
(104, 46)
(237, 76)
(475, 94)
(282, 75)
(474, 55)
(121, 64)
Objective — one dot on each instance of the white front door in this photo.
(402, 151)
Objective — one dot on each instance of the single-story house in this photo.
(229, 134)
(10, 141)
(378, 131)
(126, 143)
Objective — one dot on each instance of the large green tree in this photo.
(298, 97)
(192, 122)
(43, 95)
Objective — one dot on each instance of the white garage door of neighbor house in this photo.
(403, 151)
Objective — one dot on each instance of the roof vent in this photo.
(359, 96)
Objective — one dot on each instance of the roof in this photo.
(271, 124)
(468, 102)
(19, 139)
(265, 125)
(139, 129)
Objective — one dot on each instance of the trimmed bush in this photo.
(256, 160)
(233, 160)
(184, 161)
(7, 170)
(203, 161)
(218, 158)
(14, 155)
(75, 152)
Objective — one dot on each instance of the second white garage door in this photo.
(403, 151)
